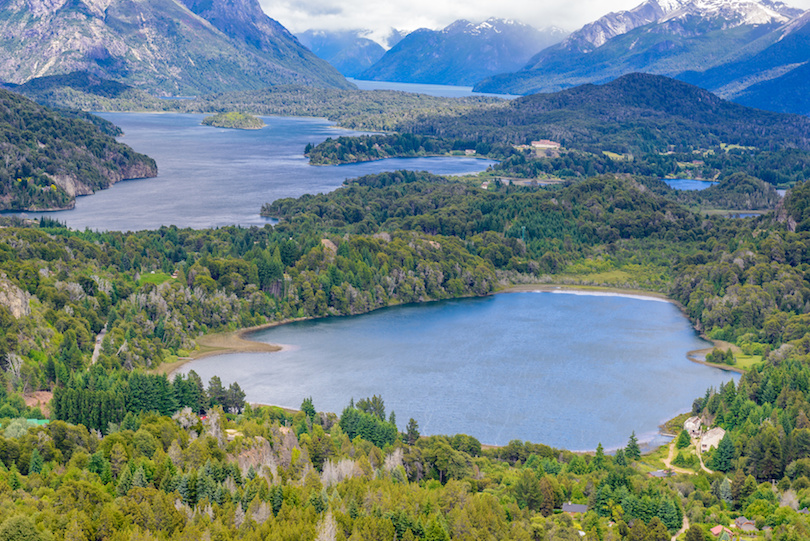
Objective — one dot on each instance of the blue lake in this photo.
(212, 177)
(445, 91)
(567, 370)
(688, 184)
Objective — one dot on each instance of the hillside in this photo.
(461, 53)
(48, 159)
(635, 113)
(348, 51)
(770, 72)
(161, 46)
(665, 38)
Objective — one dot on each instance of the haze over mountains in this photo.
(166, 47)
(348, 50)
(462, 53)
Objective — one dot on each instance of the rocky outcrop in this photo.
(162, 46)
(14, 299)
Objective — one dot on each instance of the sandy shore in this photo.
(212, 344)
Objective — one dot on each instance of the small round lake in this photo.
(688, 184)
(568, 370)
(212, 177)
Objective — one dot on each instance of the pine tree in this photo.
(139, 479)
(683, 440)
(724, 455)
(36, 462)
(598, 461)
(412, 431)
(124, 481)
(632, 451)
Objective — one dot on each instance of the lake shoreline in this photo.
(241, 339)
(239, 342)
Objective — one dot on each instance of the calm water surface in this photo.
(563, 369)
(445, 91)
(688, 184)
(210, 177)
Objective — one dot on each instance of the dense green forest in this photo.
(129, 454)
(48, 158)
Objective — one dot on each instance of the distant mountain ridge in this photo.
(163, 46)
(462, 53)
(348, 51)
(634, 113)
(667, 37)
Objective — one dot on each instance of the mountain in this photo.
(163, 46)
(47, 159)
(462, 53)
(664, 37)
(347, 50)
(636, 113)
(772, 72)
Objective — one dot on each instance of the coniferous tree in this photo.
(632, 451)
(724, 455)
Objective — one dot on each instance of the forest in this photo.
(48, 157)
(122, 451)
(154, 457)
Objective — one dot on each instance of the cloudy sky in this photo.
(381, 15)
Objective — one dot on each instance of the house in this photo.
(711, 439)
(469, 152)
(717, 530)
(692, 425)
(544, 144)
(745, 524)
(574, 508)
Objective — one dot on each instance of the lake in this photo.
(444, 91)
(688, 184)
(213, 177)
(568, 370)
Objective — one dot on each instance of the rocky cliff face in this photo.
(163, 46)
(14, 299)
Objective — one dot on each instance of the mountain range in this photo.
(349, 51)
(462, 53)
(741, 49)
(169, 47)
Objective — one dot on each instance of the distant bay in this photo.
(444, 91)
(567, 370)
(213, 177)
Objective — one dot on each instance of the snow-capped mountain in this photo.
(665, 37)
(462, 53)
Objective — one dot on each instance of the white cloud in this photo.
(381, 15)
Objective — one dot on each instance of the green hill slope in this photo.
(48, 159)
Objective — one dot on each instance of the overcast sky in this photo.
(381, 15)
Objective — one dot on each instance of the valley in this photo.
(576, 314)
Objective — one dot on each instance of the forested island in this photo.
(234, 120)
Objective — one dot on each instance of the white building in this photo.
(711, 438)
(692, 425)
